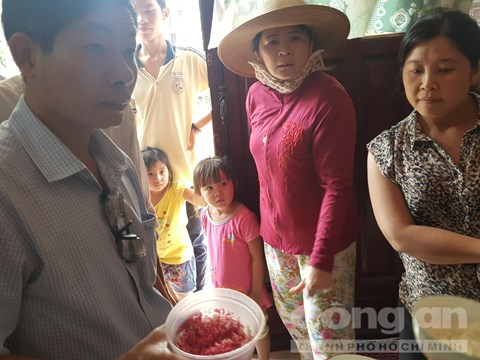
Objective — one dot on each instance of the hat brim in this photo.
(330, 27)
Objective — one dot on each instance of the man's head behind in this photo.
(43, 20)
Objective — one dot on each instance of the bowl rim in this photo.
(421, 333)
(426, 300)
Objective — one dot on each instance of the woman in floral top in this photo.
(424, 172)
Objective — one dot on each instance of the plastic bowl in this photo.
(239, 305)
(443, 312)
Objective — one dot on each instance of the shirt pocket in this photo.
(148, 229)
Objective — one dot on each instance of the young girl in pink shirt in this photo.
(235, 247)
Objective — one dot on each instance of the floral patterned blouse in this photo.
(438, 193)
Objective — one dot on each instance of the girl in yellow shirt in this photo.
(174, 246)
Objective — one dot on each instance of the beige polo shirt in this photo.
(165, 108)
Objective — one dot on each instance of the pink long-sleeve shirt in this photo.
(303, 145)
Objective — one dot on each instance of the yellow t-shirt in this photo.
(173, 243)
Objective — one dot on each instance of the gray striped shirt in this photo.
(65, 292)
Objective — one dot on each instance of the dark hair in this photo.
(208, 171)
(153, 154)
(42, 20)
(457, 26)
(256, 39)
(162, 4)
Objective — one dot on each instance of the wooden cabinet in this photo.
(368, 69)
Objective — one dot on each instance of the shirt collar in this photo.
(416, 134)
(170, 54)
(54, 160)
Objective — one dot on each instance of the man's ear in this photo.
(165, 13)
(23, 50)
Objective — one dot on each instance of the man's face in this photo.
(87, 79)
(150, 18)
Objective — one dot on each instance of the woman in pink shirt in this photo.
(302, 139)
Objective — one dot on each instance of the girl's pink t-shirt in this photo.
(229, 257)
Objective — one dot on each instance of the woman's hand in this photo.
(154, 347)
(315, 280)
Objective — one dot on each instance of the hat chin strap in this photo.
(314, 63)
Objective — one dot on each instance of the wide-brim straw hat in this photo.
(330, 27)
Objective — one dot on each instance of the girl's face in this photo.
(158, 177)
(284, 51)
(437, 78)
(219, 195)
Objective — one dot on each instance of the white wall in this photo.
(9, 68)
(185, 24)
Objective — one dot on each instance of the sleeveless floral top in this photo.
(438, 193)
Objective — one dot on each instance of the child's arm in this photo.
(193, 198)
(258, 269)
